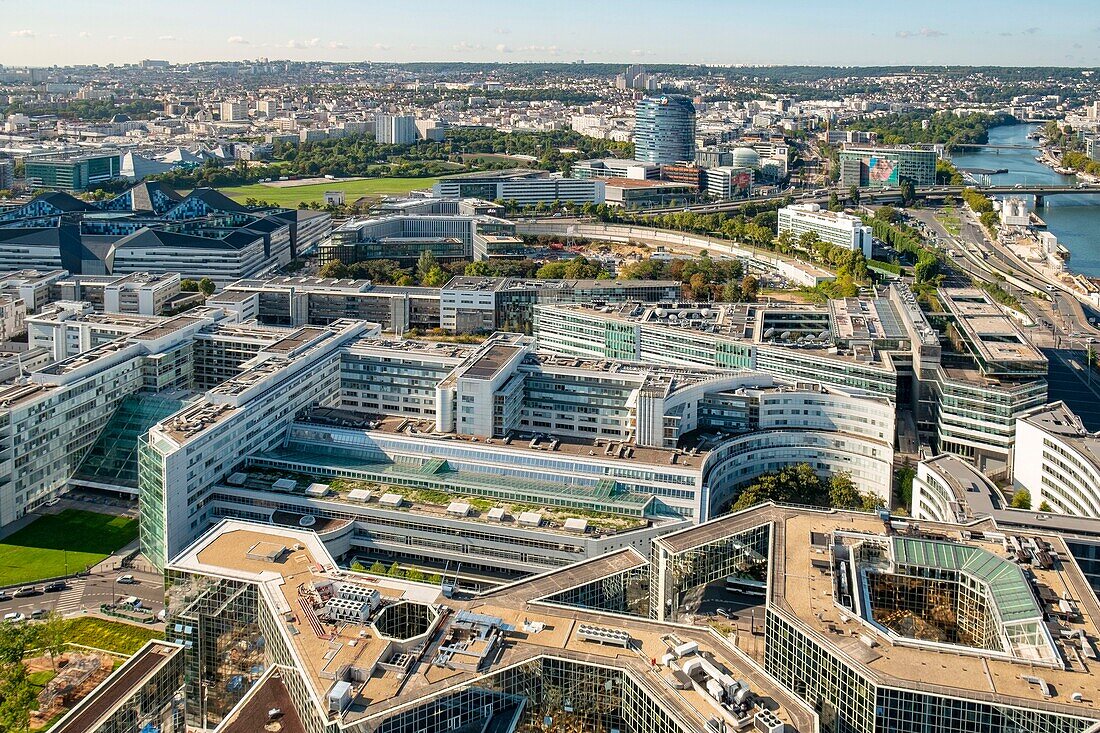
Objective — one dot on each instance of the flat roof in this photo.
(489, 364)
(222, 552)
(802, 590)
(103, 700)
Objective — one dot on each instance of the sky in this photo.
(837, 32)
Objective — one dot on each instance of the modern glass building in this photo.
(72, 172)
(664, 130)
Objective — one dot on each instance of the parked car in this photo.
(127, 580)
(40, 613)
(12, 618)
(54, 587)
(27, 590)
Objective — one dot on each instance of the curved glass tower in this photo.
(664, 130)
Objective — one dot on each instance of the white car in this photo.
(126, 580)
(14, 618)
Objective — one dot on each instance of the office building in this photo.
(615, 168)
(966, 401)
(510, 659)
(473, 304)
(139, 294)
(728, 182)
(151, 229)
(947, 488)
(395, 129)
(836, 228)
(7, 174)
(630, 193)
(881, 167)
(72, 171)
(847, 613)
(404, 237)
(317, 301)
(1058, 461)
(524, 187)
(894, 599)
(664, 130)
(652, 443)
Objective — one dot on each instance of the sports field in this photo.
(290, 195)
(61, 544)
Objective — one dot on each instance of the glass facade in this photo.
(664, 130)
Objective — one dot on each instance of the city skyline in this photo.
(733, 33)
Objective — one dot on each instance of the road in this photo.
(92, 591)
(1062, 327)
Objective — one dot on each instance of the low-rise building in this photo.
(834, 227)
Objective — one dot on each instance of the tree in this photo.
(415, 574)
(750, 286)
(1021, 499)
(425, 264)
(434, 278)
(16, 698)
(834, 201)
(188, 285)
(15, 640)
(853, 194)
(377, 568)
(395, 570)
(53, 636)
(888, 214)
(843, 493)
(334, 268)
(1045, 506)
(480, 268)
(731, 292)
(206, 286)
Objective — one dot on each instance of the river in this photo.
(1074, 219)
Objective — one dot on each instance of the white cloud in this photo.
(237, 40)
(337, 44)
(501, 48)
(550, 50)
(922, 33)
(85, 34)
(22, 34)
(166, 38)
(381, 47)
(502, 31)
(311, 43)
(466, 46)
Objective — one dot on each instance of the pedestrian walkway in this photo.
(70, 600)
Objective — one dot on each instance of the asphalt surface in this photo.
(90, 592)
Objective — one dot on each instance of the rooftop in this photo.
(802, 583)
(530, 629)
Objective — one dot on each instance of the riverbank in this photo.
(1074, 220)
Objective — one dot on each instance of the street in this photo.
(90, 592)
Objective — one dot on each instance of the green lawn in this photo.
(110, 636)
(291, 195)
(57, 544)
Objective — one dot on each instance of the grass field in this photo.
(291, 195)
(110, 636)
(76, 537)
